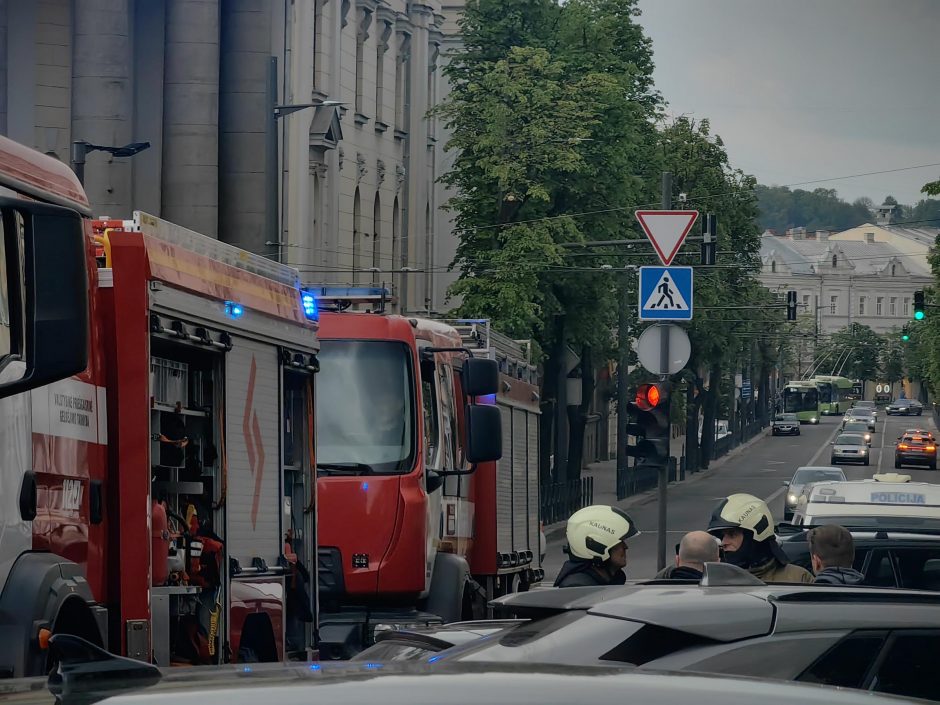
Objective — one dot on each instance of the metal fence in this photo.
(562, 499)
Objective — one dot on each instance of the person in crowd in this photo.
(597, 547)
(695, 550)
(832, 551)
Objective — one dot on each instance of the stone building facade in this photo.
(344, 188)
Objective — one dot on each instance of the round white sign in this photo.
(649, 348)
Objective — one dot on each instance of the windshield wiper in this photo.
(345, 468)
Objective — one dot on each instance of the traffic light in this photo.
(905, 334)
(919, 313)
(650, 413)
(791, 305)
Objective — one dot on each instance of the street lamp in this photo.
(81, 148)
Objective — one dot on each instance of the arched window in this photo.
(893, 270)
(357, 237)
(773, 266)
(376, 239)
(835, 261)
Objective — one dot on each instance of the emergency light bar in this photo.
(339, 298)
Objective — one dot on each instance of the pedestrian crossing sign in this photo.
(665, 293)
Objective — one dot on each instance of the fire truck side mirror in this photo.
(43, 295)
(484, 433)
(480, 377)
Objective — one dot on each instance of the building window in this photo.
(862, 300)
(402, 67)
(835, 261)
(879, 306)
(907, 307)
(380, 71)
(357, 237)
(805, 302)
(773, 267)
(362, 34)
(893, 269)
(833, 305)
(376, 239)
(893, 306)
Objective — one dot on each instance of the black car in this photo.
(730, 623)
(904, 557)
(904, 407)
(126, 682)
(785, 424)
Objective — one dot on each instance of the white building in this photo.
(844, 281)
(348, 193)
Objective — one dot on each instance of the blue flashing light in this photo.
(373, 666)
(246, 669)
(488, 399)
(309, 303)
(365, 486)
(315, 667)
(434, 658)
(234, 310)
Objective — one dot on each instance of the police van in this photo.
(889, 500)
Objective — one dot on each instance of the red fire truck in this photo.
(157, 485)
(427, 512)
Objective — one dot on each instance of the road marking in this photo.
(825, 443)
(884, 437)
(776, 462)
(777, 493)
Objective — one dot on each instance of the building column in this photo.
(102, 99)
(421, 16)
(190, 171)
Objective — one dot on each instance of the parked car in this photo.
(802, 478)
(849, 448)
(843, 636)
(859, 427)
(108, 679)
(785, 424)
(904, 407)
(915, 449)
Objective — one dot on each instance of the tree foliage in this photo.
(820, 209)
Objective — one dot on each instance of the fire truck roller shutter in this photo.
(504, 487)
(532, 434)
(61, 602)
(253, 412)
(445, 598)
(520, 485)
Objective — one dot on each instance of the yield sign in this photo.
(666, 230)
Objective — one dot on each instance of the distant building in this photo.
(866, 275)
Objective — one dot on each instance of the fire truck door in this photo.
(253, 413)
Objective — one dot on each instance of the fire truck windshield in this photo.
(365, 407)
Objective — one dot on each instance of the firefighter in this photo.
(597, 545)
(744, 525)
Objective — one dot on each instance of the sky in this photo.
(801, 90)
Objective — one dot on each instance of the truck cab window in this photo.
(429, 406)
(9, 264)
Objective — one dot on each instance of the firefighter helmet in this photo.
(594, 530)
(745, 512)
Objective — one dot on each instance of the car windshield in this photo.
(786, 417)
(901, 402)
(807, 475)
(365, 409)
(856, 426)
(879, 522)
(850, 439)
(865, 404)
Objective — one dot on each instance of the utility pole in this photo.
(664, 364)
(623, 356)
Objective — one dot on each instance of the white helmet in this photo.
(742, 511)
(594, 530)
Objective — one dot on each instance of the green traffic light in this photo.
(905, 337)
(918, 315)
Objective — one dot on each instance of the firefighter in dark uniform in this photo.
(597, 547)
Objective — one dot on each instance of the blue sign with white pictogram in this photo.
(665, 293)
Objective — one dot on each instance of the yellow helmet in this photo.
(594, 530)
(745, 512)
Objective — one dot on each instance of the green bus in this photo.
(835, 394)
(801, 397)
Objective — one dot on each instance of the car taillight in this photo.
(931, 449)
(903, 446)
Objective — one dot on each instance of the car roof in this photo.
(465, 684)
(818, 467)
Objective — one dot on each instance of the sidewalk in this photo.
(605, 484)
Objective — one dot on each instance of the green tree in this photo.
(892, 358)
(821, 209)
(855, 352)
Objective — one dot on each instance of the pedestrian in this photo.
(695, 550)
(597, 547)
(832, 551)
(744, 525)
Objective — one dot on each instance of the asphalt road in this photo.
(761, 470)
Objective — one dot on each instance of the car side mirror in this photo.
(479, 377)
(786, 483)
(484, 433)
(44, 290)
(433, 481)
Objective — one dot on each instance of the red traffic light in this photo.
(648, 396)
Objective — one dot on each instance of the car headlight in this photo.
(864, 451)
(792, 499)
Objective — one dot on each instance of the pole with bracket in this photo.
(664, 366)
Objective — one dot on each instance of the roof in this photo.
(464, 684)
(864, 258)
(40, 176)
(877, 493)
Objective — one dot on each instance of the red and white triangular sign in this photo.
(666, 230)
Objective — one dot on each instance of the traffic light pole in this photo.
(664, 365)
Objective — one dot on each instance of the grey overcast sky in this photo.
(808, 89)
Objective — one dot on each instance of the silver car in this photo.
(849, 448)
(803, 477)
